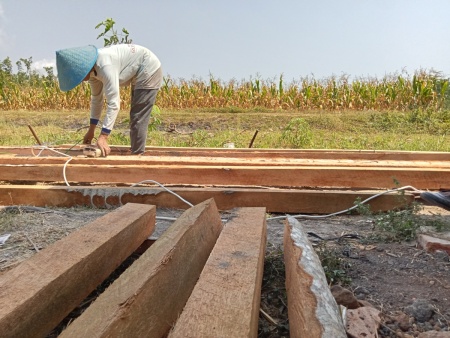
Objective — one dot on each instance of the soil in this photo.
(388, 275)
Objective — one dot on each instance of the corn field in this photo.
(424, 89)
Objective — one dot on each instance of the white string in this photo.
(181, 198)
(346, 210)
(42, 148)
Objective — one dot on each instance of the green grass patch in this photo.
(411, 131)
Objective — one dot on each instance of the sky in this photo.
(243, 39)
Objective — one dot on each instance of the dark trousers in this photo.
(142, 101)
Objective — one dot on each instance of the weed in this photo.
(333, 265)
(400, 225)
(362, 209)
(297, 133)
(155, 120)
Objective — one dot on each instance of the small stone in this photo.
(360, 296)
(361, 290)
(421, 310)
(344, 297)
(363, 322)
(432, 282)
(432, 244)
(403, 322)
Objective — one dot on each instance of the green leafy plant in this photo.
(297, 133)
(333, 265)
(361, 208)
(110, 34)
(155, 120)
(399, 225)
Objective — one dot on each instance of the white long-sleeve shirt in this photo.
(117, 66)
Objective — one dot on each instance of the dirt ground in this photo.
(391, 276)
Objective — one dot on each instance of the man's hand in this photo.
(87, 139)
(102, 144)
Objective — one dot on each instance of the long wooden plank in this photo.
(225, 301)
(293, 177)
(253, 152)
(219, 161)
(312, 310)
(37, 294)
(148, 297)
(274, 200)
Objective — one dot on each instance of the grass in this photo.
(316, 129)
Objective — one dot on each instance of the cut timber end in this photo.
(312, 310)
(36, 295)
(226, 299)
(148, 297)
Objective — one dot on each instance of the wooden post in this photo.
(312, 310)
(226, 299)
(37, 294)
(148, 297)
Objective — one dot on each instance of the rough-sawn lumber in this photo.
(37, 294)
(294, 201)
(370, 177)
(148, 297)
(312, 310)
(117, 150)
(225, 301)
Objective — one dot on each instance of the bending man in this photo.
(107, 69)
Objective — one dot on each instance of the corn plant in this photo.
(397, 92)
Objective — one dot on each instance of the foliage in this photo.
(333, 265)
(399, 225)
(155, 121)
(297, 134)
(110, 35)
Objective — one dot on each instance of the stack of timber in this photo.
(306, 181)
(201, 278)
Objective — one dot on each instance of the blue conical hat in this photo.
(73, 64)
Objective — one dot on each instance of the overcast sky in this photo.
(244, 39)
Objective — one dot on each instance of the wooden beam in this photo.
(148, 297)
(274, 200)
(225, 301)
(312, 310)
(37, 294)
(279, 176)
(199, 161)
(247, 153)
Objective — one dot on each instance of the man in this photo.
(107, 69)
